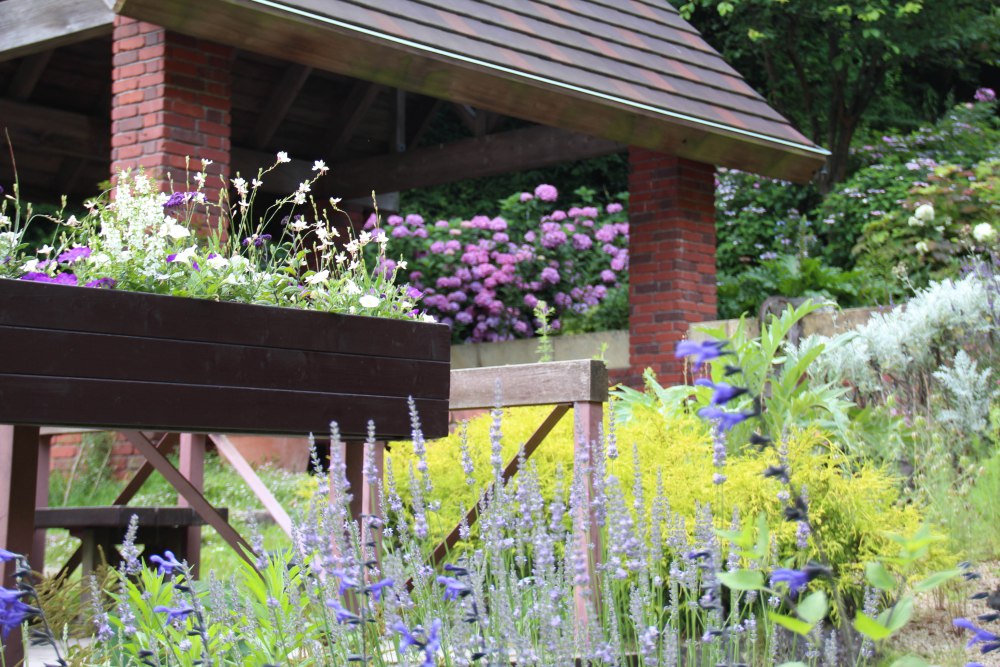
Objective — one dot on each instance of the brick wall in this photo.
(123, 460)
(671, 258)
(170, 101)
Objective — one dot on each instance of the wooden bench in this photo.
(101, 529)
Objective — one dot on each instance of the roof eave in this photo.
(277, 30)
(34, 26)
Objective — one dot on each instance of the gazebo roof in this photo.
(634, 73)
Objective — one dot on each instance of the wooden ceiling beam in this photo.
(36, 128)
(27, 75)
(34, 26)
(350, 115)
(279, 103)
(528, 148)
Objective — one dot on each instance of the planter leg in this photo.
(364, 496)
(18, 482)
(192, 466)
(37, 553)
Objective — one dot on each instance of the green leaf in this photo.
(910, 661)
(793, 624)
(898, 615)
(935, 580)
(793, 664)
(743, 580)
(879, 577)
(870, 628)
(812, 609)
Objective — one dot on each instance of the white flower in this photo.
(427, 317)
(369, 301)
(72, 222)
(924, 213)
(30, 265)
(320, 166)
(351, 287)
(217, 262)
(199, 178)
(298, 225)
(45, 249)
(256, 183)
(175, 231)
(185, 255)
(283, 157)
(365, 238)
(921, 247)
(304, 187)
(983, 232)
(402, 265)
(914, 222)
(100, 259)
(241, 186)
(4, 220)
(317, 278)
(299, 198)
(205, 162)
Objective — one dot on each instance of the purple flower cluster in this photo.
(484, 276)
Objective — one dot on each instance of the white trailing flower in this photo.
(983, 232)
(317, 278)
(921, 247)
(369, 301)
(351, 287)
(217, 262)
(174, 230)
(283, 157)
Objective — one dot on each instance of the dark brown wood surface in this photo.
(99, 358)
(118, 517)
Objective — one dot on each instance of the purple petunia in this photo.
(74, 254)
(109, 283)
(178, 198)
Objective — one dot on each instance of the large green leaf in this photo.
(879, 577)
(910, 661)
(870, 628)
(935, 580)
(898, 615)
(793, 624)
(743, 580)
(812, 608)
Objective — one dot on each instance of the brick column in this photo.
(170, 101)
(671, 258)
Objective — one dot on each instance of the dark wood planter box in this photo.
(102, 358)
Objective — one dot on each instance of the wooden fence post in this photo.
(192, 466)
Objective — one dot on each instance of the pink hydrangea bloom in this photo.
(526, 196)
(546, 192)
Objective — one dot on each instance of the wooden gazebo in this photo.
(88, 87)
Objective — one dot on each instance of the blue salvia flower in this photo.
(702, 351)
(377, 588)
(429, 642)
(343, 615)
(990, 642)
(13, 612)
(722, 392)
(726, 420)
(167, 563)
(174, 613)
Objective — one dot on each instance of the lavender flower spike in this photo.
(701, 351)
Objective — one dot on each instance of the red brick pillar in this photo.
(170, 101)
(671, 258)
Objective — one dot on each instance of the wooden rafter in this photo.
(59, 132)
(527, 148)
(33, 26)
(350, 115)
(27, 75)
(278, 104)
(420, 119)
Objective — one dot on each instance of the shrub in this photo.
(484, 276)
(853, 508)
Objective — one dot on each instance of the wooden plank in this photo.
(119, 517)
(175, 407)
(27, 75)
(531, 444)
(60, 307)
(61, 133)
(31, 26)
(191, 494)
(489, 155)
(280, 100)
(57, 353)
(587, 418)
(228, 451)
(530, 384)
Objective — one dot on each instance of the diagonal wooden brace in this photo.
(228, 451)
(190, 493)
(530, 445)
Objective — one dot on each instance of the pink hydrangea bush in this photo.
(484, 276)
